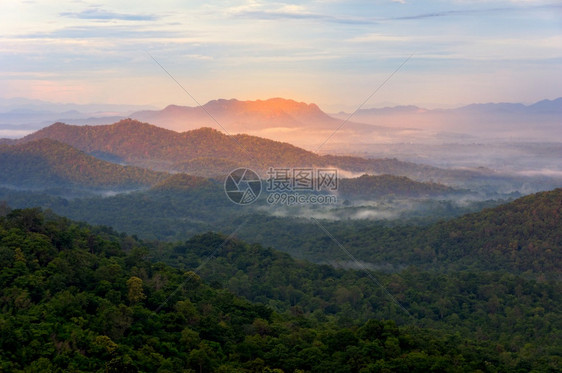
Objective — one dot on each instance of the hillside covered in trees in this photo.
(47, 163)
(81, 298)
(523, 236)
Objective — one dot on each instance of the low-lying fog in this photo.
(531, 158)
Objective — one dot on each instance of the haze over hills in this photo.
(464, 138)
(306, 125)
(523, 235)
(482, 122)
(26, 113)
(149, 146)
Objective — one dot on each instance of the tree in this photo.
(136, 294)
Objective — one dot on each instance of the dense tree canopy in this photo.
(81, 298)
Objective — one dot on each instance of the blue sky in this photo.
(334, 53)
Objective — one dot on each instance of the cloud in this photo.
(468, 12)
(101, 14)
(276, 15)
(92, 32)
(294, 12)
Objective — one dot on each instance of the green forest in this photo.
(156, 272)
(80, 298)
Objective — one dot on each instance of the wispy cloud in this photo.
(259, 12)
(102, 14)
(295, 12)
(278, 15)
(469, 12)
(94, 31)
(325, 51)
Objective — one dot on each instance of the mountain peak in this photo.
(272, 105)
(205, 131)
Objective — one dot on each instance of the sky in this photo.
(330, 52)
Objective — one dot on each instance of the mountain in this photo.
(208, 152)
(477, 122)
(240, 116)
(280, 119)
(523, 236)
(547, 106)
(47, 163)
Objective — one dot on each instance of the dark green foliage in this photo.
(523, 237)
(65, 307)
(497, 305)
(183, 205)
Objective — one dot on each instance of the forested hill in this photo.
(79, 298)
(523, 236)
(198, 151)
(134, 141)
(48, 163)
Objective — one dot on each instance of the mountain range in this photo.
(45, 163)
(481, 122)
(306, 125)
(280, 119)
(210, 153)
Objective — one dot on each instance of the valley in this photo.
(467, 258)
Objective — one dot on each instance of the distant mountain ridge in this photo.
(305, 124)
(536, 122)
(286, 120)
(238, 115)
(544, 106)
